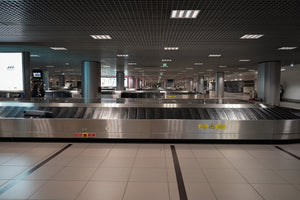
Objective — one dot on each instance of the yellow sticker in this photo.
(203, 126)
(85, 135)
(220, 126)
(211, 126)
(172, 96)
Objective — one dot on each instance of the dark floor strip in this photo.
(180, 183)
(22, 176)
(291, 154)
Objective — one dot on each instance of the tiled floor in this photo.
(146, 171)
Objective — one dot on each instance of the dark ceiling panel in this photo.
(142, 28)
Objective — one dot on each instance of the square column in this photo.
(219, 84)
(268, 82)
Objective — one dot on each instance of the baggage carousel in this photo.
(186, 119)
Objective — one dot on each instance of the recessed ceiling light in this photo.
(184, 14)
(132, 63)
(242, 68)
(58, 48)
(101, 37)
(106, 66)
(137, 68)
(244, 60)
(189, 68)
(50, 66)
(251, 70)
(198, 63)
(222, 66)
(214, 55)
(122, 55)
(252, 36)
(287, 48)
(34, 56)
(283, 69)
(171, 48)
(166, 60)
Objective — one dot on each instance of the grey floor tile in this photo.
(197, 190)
(292, 176)
(261, 176)
(22, 190)
(44, 173)
(103, 190)
(111, 174)
(74, 173)
(214, 163)
(117, 162)
(65, 190)
(146, 191)
(200, 153)
(150, 162)
(193, 175)
(223, 176)
(235, 192)
(86, 161)
(9, 172)
(148, 175)
(277, 191)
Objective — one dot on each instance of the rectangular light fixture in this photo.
(184, 14)
(241, 68)
(101, 37)
(244, 60)
(137, 68)
(189, 68)
(34, 56)
(198, 63)
(58, 48)
(214, 55)
(171, 48)
(209, 70)
(166, 60)
(131, 63)
(287, 48)
(106, 66)
(122, 55)
(252, 36)
(222, 66)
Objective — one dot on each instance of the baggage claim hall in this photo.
(149, 100)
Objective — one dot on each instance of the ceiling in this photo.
(142, 28)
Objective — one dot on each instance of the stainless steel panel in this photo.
(160, 129)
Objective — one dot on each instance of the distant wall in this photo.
(290, 79)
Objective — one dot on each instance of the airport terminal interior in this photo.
(150, 100)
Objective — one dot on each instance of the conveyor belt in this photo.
(273, 113)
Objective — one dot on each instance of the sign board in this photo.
(11, 72)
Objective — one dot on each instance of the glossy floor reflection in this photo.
(146, 171)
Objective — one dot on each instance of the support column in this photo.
(200, 84)
(268, 82)
(61, 80)
(219, 84)
(90, 79)
(137, 83)
(130, 80)
(120, 81)
(46, 79)
(27, 75)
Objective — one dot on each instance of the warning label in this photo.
(211, 126)
(203, 126)
(220, 126)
